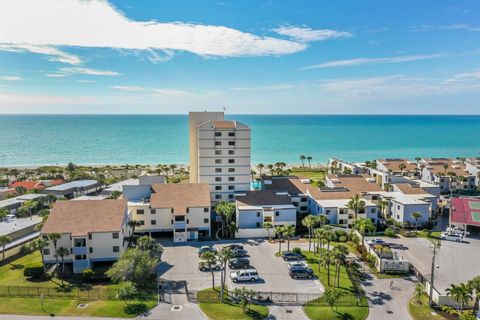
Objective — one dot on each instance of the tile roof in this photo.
(82, 217)
(180, 196)
(345, 187)
(263, 198)
(407, 188)
(28, 184)
(437, 166)
(224, 124)
(393, 164)
(292, 185)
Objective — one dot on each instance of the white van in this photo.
(451, 236)
(244, 275)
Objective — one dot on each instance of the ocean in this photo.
(154, 139)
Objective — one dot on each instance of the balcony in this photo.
(79, 250)
(179, 225)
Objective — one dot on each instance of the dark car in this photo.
(287, 256)
(204, 249)
(297, 273)
(234, 246)
(239, 253)
(239, 263)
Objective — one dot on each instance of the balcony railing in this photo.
(79, 250)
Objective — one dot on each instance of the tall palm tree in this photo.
(475, 286)
(4, 240)
(309, 159)
(461, 295)
(54, 237)
(62, 253)
(39, 245)
(279, 232)
(267, 226)
(416, 215)
(383, 204)
(210, 258)
(309, 222)
(289, 232)
(223, 257)
(302, 158)
(270, 168)
(356, 204)
(340, 253)
(402, 167)
(363, 226)
(260, 167)
(445, 167)
(327, 256)
(226, 210)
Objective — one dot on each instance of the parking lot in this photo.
(180, 263)
(457, 261)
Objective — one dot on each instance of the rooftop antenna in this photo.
(224, 108)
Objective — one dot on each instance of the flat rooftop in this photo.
(11, 225)
(73, 184)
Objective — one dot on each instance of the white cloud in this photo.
(384, 60)
(465, 76)
(303, 34)
(128, 88)
(16, 100)
(459, 26)
(63, 72)
(11, 78)
(51, 23)
(53, 54)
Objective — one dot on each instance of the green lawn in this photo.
(423, 311)
(32, 306)
(316, 312)
(230, 311)
(307, 173)
(434, 235)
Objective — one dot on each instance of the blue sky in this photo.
(332, 57)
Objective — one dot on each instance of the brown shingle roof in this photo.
(436, 166)
(263, 198)
(224, 124)
(393, 164)
(292, 185)
(82, 217)
(349, 185)
(180, 196)
(406, 188)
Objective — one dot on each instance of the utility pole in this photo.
(436, 245)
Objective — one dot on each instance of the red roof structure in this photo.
(28, 185)
(465, 211)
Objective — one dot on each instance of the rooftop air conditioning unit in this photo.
(305, 181)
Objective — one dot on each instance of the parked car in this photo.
(300, 272)
(289, 255)
(244, 275)
(451, 236)
(234, 246)
(203, 265)
(296, 264)
(239, 263)
(239, 253)
(375, 241)
(204, 249)
(457, 230)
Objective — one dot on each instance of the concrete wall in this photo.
(254, 233)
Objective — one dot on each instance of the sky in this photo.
(249, 56)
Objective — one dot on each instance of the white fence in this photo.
(254, 233)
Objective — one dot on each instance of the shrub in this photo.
(297, 250)
(389, 232)
(355, 238)
(33, 269)
(88, 274)
(340, 233)
(342, 239)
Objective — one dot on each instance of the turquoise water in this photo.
(120, 139)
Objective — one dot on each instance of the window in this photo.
(188, 210)
(218, 161)
(218, 188)
(218, 152)
(303, 199)
(231, 151)
(218, 134)
(89, 236)
(218, 143)
(277, 213)
(152, 211)
(398, 207)
(141, 222)
(231, 134)
(231, 178)
(218, 196)
(115, 235)
(116, 249)
(188, 221)
(171, 210)
(231, 160)
(258, 224)
(46, 251)
(231, 187)
(153, 222)
(205, 209)
(205, 220)
(231, 169)
(231, 196)
(258, 214)
(218, 179)
(90, 250)
(179, 218)
(231, 143)
(218, 170)
(328, 211)
(140, 211)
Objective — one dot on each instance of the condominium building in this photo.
(179, 210)
(219, 154)
(293, 187)
(450, 174)
(92, 231)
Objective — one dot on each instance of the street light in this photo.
(436, 246)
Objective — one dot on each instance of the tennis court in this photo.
(474, 205)
(476, 216)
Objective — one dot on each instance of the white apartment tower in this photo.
(219, 154)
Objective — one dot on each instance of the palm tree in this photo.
(356, 204)
(54, 238)
(417, 159)
(309, 222)
(4, 240)
(270, 168)
(279, 232)
(309, 159)
(4, 212)
(461, 295)
(418, 292)
(383, 204)
(416, 215)
(39, 245)
(223, 257)
(20, 190)
(260, 167)
(267, 226)
(475, 286)
(445, 167)
(326, 257)
(226, 210)
(363, 226)
(62, 253)
(340, 253)
(402, 167)
(210, 258)
(289, 232)
(71, 167)
(302, 158)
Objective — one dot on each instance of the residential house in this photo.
(472, 165)
(71, 190)
(28, 185)
(291, 185)
(339, 166)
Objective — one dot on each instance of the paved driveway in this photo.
(180, 264)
